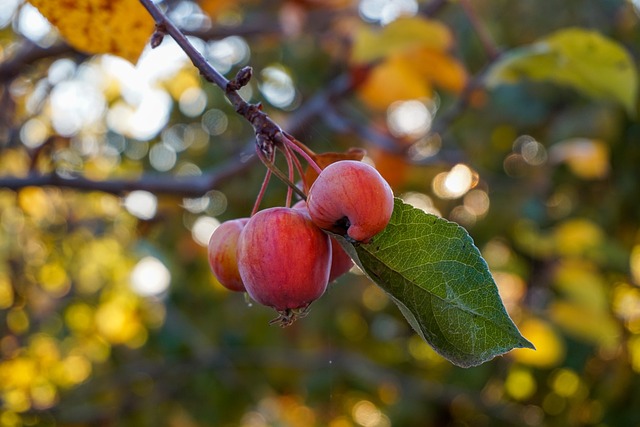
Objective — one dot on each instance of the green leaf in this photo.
(582, 59)
(442, 285)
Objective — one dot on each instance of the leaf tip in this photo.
(525, 343)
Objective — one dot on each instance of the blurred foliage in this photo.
(109, 314)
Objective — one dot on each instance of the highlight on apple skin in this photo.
(352, 198)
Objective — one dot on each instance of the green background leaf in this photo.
(442, 285)
(401, 35)
(582, 59)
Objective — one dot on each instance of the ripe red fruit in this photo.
(222, 254)
(352, 197)
(340, 261)
(284, 261)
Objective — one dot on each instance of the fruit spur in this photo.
(283, 257)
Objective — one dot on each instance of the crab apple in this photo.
(284, 261)
(222, 253)
(352, 197)
(340, 261)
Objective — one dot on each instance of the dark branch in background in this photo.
(192, 186)
(27, 54)
(444, 121)
(266, 130)
(490, 48)
(433, 7)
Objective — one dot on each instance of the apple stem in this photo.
(297, 146)
(277, 172)
(293, 139)
(290, 169)
(298, 166)
(263, 187)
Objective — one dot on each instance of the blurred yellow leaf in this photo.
(577, 236)
(440, 68)
(634, 264)
(214, 7)
(394, 80)
(6, 292)
(580, 282)
(17, 321)
(53, 279)
(566, 383)
(520, 383)
(582, 59)
(399, 36)
(633, 346)
(625, 302)
(117, 320)
(18, 372)
(550, 348)
(186, 78)
(587, 158)
(591, 326)
(119, 27)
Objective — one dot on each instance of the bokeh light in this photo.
(141, 204)
(150, 277)
(409, 119)
(75, 104)
(33, 25)
(386, 11)
(203, 228)
(420, 201)
(277, 86)
(455, 183)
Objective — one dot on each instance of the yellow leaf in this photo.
(580, 282)
(577, 236)
(215, 7)
(393, 80)
(520, 383)
(119, 27)
(401, 35)
(587, 158)
(440, 68)
(592, 326)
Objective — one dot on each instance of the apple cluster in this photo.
(282, 257)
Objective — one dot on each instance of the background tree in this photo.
(516, 120)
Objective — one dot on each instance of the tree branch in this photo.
(27, 54)
(158, 184)
(267, 131)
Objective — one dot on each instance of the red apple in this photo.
(352, 198)
(222, 254)
(341, 262)
(284, 261)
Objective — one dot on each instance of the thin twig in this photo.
(491, 49)
(264, 127)
(193, 186)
